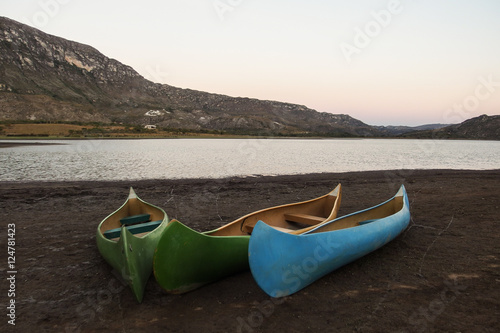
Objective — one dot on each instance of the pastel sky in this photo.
(391, 62)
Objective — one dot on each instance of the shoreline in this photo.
(235, 137)
(22, 144)
(401, 174)
(450, 249)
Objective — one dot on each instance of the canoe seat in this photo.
(134, 229)
(304, 218)
(249, 228)
(283, 229)
(135, 219)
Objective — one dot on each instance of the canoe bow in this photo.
(131, 255)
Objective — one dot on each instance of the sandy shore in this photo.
(11, 144)
(441, 275)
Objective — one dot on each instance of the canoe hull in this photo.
(130, 255)
(186, 259)
(283, 264)
(203, 259)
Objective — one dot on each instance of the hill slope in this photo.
(398, 130)
(480, 128)
(43, 77)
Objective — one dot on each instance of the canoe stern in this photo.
(186, 259)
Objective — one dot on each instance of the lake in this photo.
(217, 158)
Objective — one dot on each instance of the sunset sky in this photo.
(392, 62)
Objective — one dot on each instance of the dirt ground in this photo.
(441, 275)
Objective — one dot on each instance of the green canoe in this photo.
(127, 239)
(186, 259)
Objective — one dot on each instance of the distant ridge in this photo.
(398, 130)
(480, 128)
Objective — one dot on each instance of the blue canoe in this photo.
(283, 263)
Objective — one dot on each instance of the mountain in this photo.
(398, 130)
(47, 78)
(480, 128)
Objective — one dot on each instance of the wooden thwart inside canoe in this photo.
(297, 218)
(140, 218)
(135, 229)
(304, 218)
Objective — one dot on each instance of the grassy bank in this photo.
(76, 131)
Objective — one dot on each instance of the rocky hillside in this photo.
(44, 77)
(480, 128)
(398, 130)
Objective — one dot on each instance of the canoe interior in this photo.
(390, 207)
(132, 207)
(140, 228)
(306, 214)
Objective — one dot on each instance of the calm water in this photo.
(216, 158)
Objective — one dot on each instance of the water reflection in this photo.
(216, 158)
